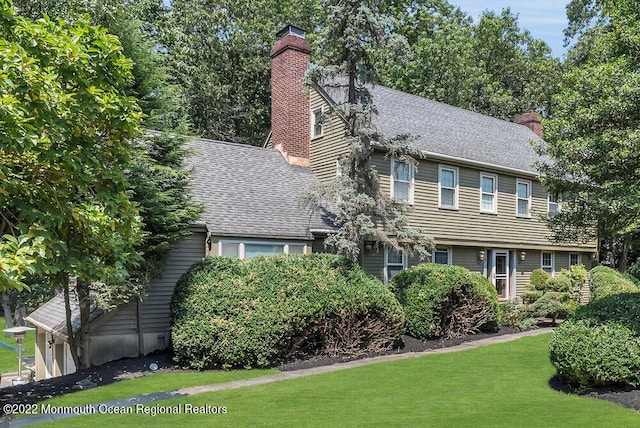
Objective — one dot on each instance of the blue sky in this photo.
(545, 19)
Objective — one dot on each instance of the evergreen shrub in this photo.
(254, 313)
(606, 281)
(445, 301)
(599, 346)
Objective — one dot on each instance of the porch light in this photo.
(481, 255)
(523, 255)
(368, 246)
(19, 333)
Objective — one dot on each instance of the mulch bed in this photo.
(134, 367)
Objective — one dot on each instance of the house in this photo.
(474, 190)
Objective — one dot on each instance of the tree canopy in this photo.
(593, 137)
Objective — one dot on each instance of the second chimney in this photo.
(290, 128)
(531, 120)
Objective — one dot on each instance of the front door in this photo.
(500, 273)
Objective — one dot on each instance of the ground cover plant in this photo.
(445, 301)
(501, 385)
(252, 313)
(600, 345)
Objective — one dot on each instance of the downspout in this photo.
(139, 329)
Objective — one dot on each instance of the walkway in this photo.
(148, 398)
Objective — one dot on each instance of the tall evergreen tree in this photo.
(354, 29)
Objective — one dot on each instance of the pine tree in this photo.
(361, 211)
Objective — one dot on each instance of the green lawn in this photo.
(9, 358)
(153, 383)
(498, 385)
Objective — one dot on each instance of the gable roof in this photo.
(446, 131)
(250, 191)
(51, 315)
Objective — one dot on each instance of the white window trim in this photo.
(405, 263)
(411, 179)
(553, 261)
(313, 123)
(456, 188)
(578, 258)
(241, 244)
(528, 183)
(495, 192)
(449, 254)
(557, 202)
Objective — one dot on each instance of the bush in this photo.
(515, 315)
(554, 305)
(254, 313)
(529, 297)
(560, 283)
(600, 345)
(606, 281)
(539, 279)
(445, 300)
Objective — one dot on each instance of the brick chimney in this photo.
(531, 120)
(290, 128)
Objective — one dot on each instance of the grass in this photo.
(8, 357)
(503, 385)
(153, 383)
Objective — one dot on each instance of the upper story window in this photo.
(553, 206)
(488, 193)
(546, 262)
(394, 262)
(447, 187)
(317, 121)
(402, 180)
(249, 250)
(523, 196)
(442, 256)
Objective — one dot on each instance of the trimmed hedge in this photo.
(445, 300)
(606, 281)
(539, 278)
(253, 313)
(600, 345)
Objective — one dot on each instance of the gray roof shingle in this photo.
(250, 191)
(51, 315)
(450, 131)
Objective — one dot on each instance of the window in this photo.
(523, 195)
(442, 256)
(553, 206)
(249, 250)
(448, 187)
(318, 119)
(488, 193)
(547, 262)
(402, 181)
(394, 262)
(574, 259)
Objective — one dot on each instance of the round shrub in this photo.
(539, 279)
(560, 283)
(606, 281)
(254, 313)
(600, 345)
(445, 300)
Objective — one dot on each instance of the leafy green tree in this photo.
(354, 29)
(218, 53)
(64, 127)
(492, 67)
(593, 138)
